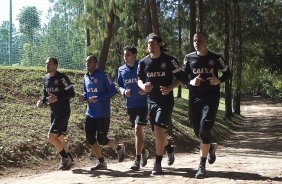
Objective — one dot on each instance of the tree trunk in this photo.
(192, 14)
(107, 41)
(228, 96)
(154, 17)
(201, 15)
(238, 47)
(148, 20)
(180, 21)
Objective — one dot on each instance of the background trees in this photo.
(250, 39)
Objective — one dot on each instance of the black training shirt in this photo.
(205, 66)
(60, 86)
(160, 72)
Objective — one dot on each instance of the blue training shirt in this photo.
(127, 79)
(98, 84)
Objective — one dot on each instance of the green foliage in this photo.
(63, 36)
(29, 20)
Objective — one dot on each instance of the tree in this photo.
(29, 24)
(107, 41)
(154, 17)
(237, 56)
(4, 43)
(228, 86)
(201, 15)
(29, 21)
(148, 19)
(192, 26)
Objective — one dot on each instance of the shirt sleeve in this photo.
(176, 69)
(110, 89)
(45, 94)
(120, 83)
(185, 72)
(85, 96)
(140, 72)
(68, 87)
(226, 74)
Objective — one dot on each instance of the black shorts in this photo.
(97, 129)
(160, 114)
(59, 122)
(202, 113)
(137, 116)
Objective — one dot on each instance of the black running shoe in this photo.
(211, 155)
(201, 173)
(144, 158)
(136, 166)
(99, 166)
(65, 163)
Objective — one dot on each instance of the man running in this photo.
(98, 90)
(201, 70)
(57, 91)
(158, 74)
(136, 103)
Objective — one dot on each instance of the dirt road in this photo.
(253, 155)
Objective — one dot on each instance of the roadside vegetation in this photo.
(23, 127)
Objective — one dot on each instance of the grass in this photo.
(23, 135)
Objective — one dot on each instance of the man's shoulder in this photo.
(145, 59)
(60, 75)
(214, 55)
(167, 57)
(191, 54)
(122, 67)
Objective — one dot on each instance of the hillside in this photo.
(23, 135)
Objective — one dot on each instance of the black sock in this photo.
(101, 159)
(169, 148)
(159, 159)
(138, 157)
(118, 147)
(70, 155)
(63, 154)
(143, 151)
(203, 161)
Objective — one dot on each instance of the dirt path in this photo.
(254, 155)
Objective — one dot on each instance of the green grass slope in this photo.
(24, 127)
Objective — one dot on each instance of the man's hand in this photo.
(196, 81)
(127, 92)
(51, 98)
(141, 92)
(81, 98)
(39, 103)
(213, 80)
(165, 90)
(92, 99)
(148, 87)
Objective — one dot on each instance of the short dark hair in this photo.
(92, 58)
(158, 39)
(202, 33)
(132, 49)
(54, 60)
(154, 37)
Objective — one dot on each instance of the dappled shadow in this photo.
(184, 172)
(113, 173)
(262, 128)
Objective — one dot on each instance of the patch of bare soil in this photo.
(252, 155)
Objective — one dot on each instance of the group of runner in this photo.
(147, 86)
